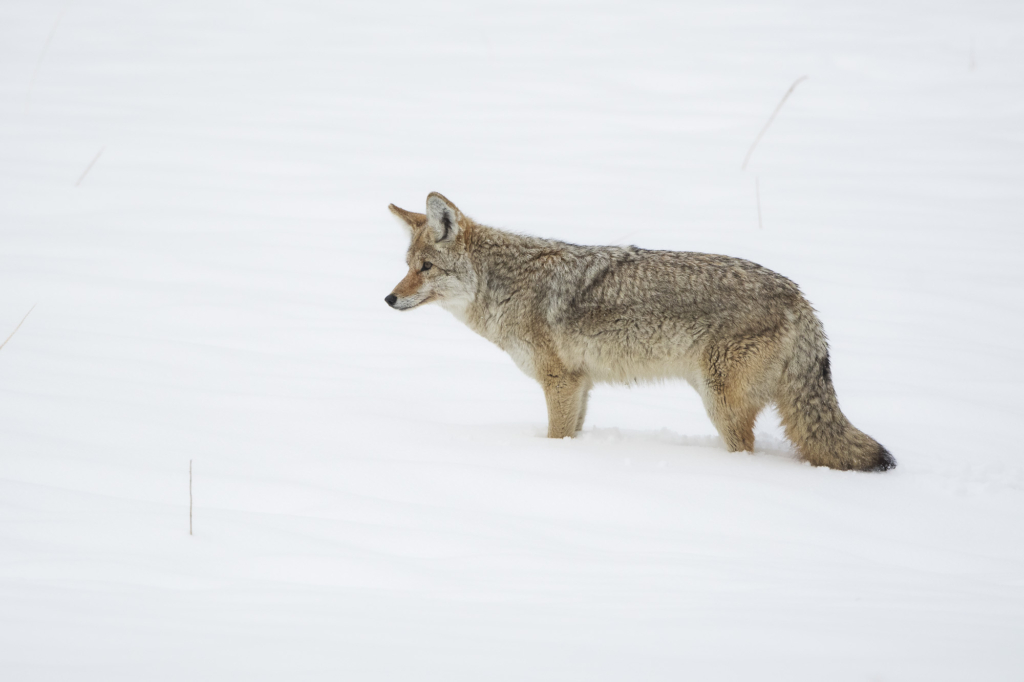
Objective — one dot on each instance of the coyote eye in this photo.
(426, 266)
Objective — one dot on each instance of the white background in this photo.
(374, 499)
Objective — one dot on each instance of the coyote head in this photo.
(439, 267)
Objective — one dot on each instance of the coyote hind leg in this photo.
(735, 423)
(734, 391)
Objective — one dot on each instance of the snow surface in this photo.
(374, 499)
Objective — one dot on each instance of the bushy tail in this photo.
(810, 410)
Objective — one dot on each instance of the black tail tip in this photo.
(883, 460)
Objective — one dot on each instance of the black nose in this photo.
(390, 300)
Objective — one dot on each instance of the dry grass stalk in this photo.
(772, 118)
(19, 326)
(89, 167)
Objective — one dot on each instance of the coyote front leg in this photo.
(565, 392)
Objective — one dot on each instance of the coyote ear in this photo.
(442, 218)
(413, 221)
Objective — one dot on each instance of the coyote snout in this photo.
(740, 334)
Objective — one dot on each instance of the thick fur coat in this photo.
(570, 316)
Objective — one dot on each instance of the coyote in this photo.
(740, 334)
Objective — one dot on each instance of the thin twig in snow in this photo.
(89, 167)
(42, 55)
(772, 118)
(19, 325)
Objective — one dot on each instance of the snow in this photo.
(374, 498)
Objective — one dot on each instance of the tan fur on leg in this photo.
(736, 425)
(564, 392)
(735, 392)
